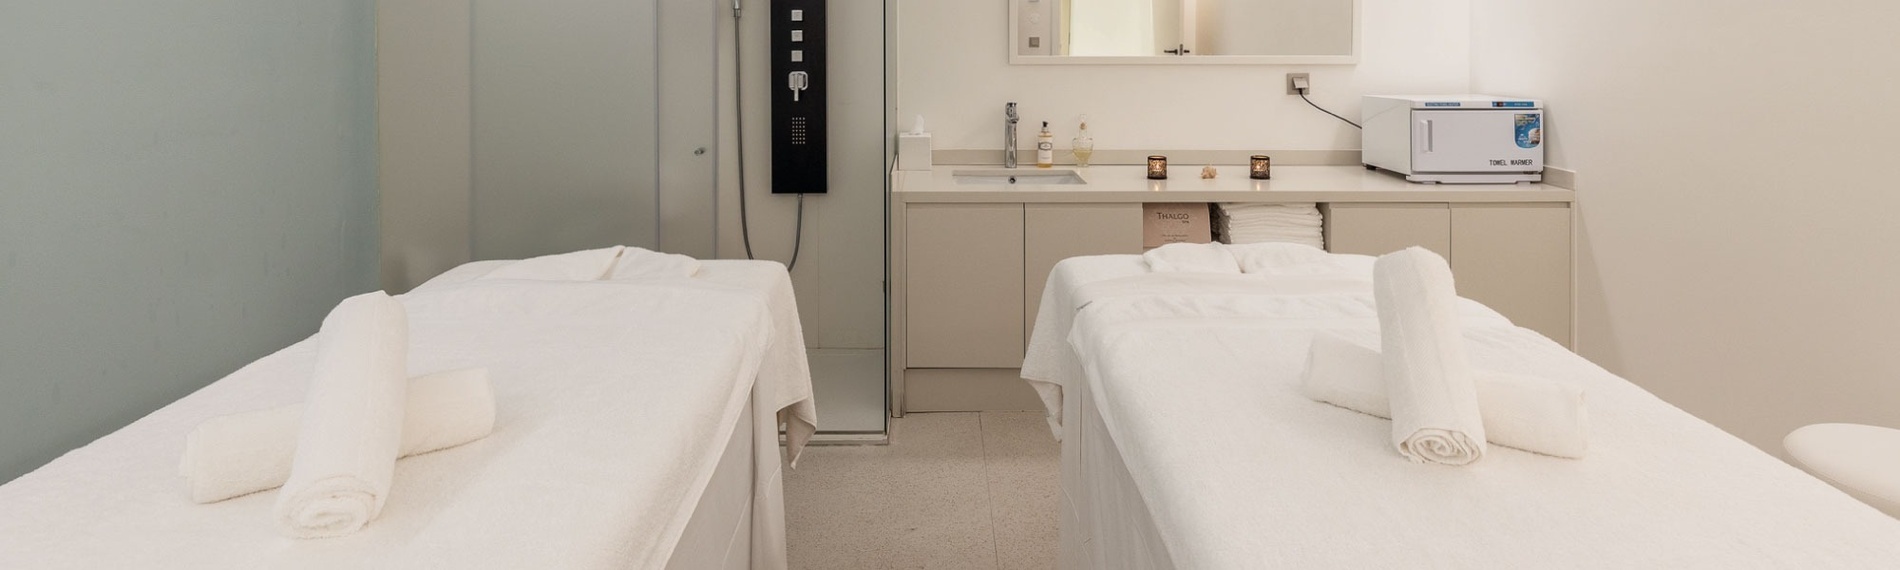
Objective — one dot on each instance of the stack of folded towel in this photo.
(1240, 223)
(335, 454)
(1442, 411)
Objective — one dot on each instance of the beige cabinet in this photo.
(1054, 232)
(973, 279)
(1377, 229)
(1515, 258)
(970, 277)
(964, 285)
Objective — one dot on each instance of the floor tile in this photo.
(1021, 465)
(920, 502)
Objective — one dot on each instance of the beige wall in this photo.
(953, 69)
(427, 121)
(1739, 256)
(422, 125)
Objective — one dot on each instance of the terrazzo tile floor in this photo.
(952, 490)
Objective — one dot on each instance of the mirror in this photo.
(1184, 31)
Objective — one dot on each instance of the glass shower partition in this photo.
(584, 136)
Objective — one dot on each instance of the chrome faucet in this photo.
(1009, 135)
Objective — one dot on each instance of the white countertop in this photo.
(1129, 183)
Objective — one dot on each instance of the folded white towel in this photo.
(1244, 206)
(642, 263)
(1524, 412)
(239, 454)
(1246, 238)
(352, 421)
(585, 265)
(1191, 258)
(1427, 376)
(1238, 235)
(1270, 224)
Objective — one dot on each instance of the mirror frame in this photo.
(1015, 19)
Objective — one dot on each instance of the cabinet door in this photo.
(1054, 232)
(1378, 229)
(964, 285)
(1515, 258)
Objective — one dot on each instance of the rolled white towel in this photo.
(584, 265)
(352, 421)
(1427, 377)
(1524, 412)
(239, 454)
(1191, 258)
(642, 263)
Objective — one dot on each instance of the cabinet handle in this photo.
(1424, 134)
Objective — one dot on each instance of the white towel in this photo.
(1427, 376)
(585, 265)
(1245, 206)
(239, 454)
(1271, 223)
(352, 421)
(1524, 412)
(1191, 258)
(642, 263)
(1292, 259)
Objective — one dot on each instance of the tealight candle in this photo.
(1260, 167)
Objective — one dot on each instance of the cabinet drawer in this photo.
(964, 285)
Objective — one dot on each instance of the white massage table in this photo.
(637, 427)
(1186, 444)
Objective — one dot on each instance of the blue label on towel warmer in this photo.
(1514, 104)
(1530, 130)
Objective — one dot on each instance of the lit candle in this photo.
(1260, 167)
(1157, 167)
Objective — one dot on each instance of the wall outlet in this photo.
(1297, 81)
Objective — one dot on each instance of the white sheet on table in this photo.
(1238, 470)
(783, 393)
(1050, 365)
(789, 392)
(614, 400)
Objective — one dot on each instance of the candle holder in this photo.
(1260, 167)
(1157, 167)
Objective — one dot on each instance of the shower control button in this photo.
(798, 55)
(798, 15)
(798, 35)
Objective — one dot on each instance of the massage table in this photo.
(637, 426)
(1186, 443)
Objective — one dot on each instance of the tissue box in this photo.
(913, 151)
(1166, 223)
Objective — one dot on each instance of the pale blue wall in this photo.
(185, 185)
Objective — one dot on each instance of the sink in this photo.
(1018, 176)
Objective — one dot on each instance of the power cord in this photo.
(1323, 110)
(738, 94)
